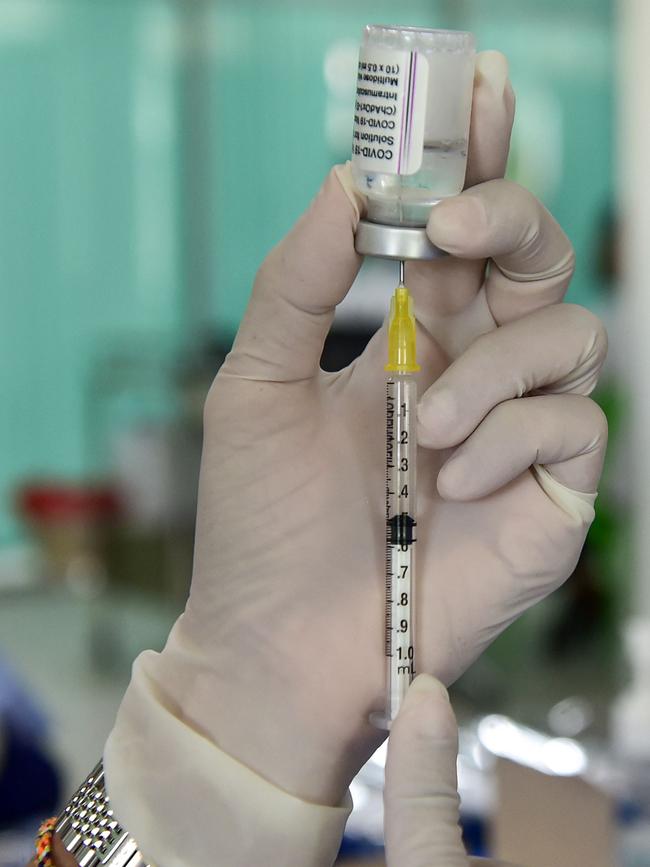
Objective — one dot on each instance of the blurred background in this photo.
(151, 153)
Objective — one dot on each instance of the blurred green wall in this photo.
(88, 212)
(151, 153)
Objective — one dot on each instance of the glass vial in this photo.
(411, 120)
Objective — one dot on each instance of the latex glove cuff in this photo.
(188, 804)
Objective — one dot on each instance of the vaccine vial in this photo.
(411, 120)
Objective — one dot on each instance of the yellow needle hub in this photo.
(401, 333)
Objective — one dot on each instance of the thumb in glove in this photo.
(421, 801)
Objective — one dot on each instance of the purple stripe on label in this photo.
(414, 66)
(405, 98)
(402, 136)
(408, 108)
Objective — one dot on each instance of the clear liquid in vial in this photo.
(406, 200)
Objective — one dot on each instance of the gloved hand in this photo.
(278, 658)
(420, 796)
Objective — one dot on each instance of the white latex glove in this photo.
(278, 658)
(420, 796)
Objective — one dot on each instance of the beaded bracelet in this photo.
(44, 842)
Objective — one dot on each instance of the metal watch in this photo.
(90, 831)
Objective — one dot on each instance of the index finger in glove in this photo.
(420, 796)
(493, 107)
(444, 286)
(532, 259)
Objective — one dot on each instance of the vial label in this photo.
(389, 111)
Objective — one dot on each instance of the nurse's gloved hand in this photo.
(278, 658)
(420, 797)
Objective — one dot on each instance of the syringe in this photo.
(401, 524)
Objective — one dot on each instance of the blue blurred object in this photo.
(351, 847)
(474, 830)
(18, 708)
(30, 782)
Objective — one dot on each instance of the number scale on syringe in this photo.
(401, 398)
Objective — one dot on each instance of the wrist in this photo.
(266, 716)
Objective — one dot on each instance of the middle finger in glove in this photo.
(559, 349)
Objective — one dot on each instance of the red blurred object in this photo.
(70, 524)
(58, 501)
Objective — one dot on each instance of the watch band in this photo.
(90, 831)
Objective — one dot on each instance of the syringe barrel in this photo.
(401, 539)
